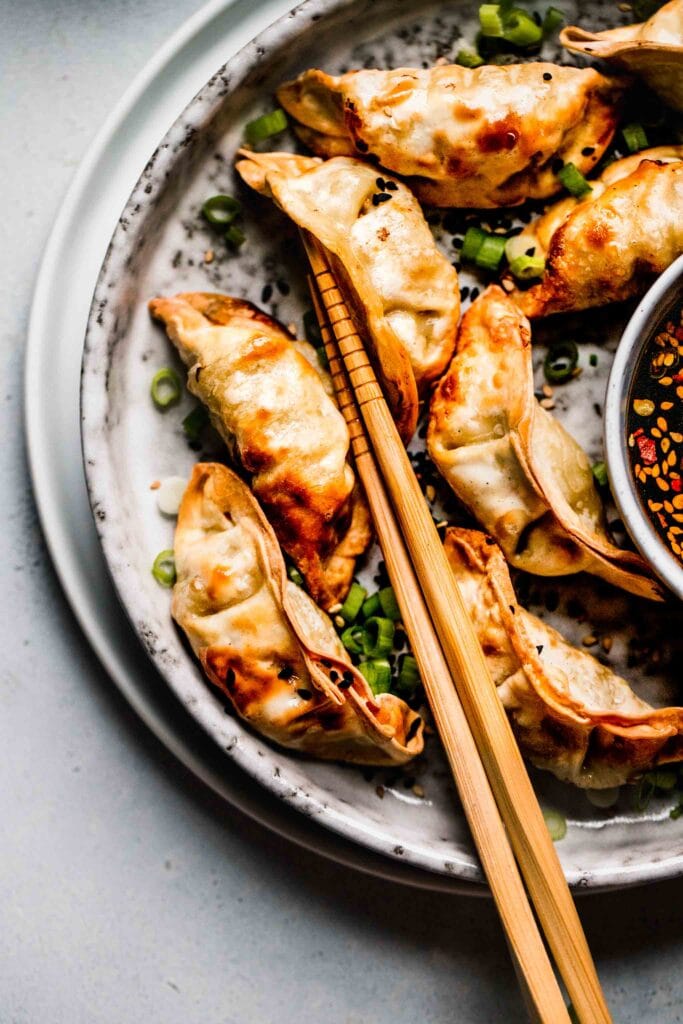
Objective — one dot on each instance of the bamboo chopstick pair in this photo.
(501, 808)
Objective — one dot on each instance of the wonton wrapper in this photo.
(482, 137)
(652, 49)
(403, 293)
(572, 715)
(514, 466)
(273, 411)
(263, 641)
(610, 245)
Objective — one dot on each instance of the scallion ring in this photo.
(352, 639)
(408, 675)
(194, 424)
(377, 673)
(554, 17)
(491, 252)
(235, 237)
(467, 59)
(471, 243)
(266, 126)
(574, 181)
(634, 137)
(377, 637)
(221, 210)
(521, 30)
(490, 20)
(525, 268)
(371, 606)
(644, 792)
(295, 576)
(557, 824)
(560, 362)
(163, 568)
(389, 604)
(353, 603)
(165, 388)
(600, 473)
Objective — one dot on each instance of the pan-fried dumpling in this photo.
(514, 466)
(572, 715)
(474, 138)
(263, 641)
(610, 245)
(273, 411)
(403, 292)
(652, 49)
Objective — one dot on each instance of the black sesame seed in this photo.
(282, 287)
(557, 165)
(381, 184)
(267, 293)
(344, 684)
(304, 694)
(539, 648)
(362, 146)
(230, 677)
(286, 672)
(588, 151)
(474, 294)
(380, 197)
(414, 726)
(464, 292)
(547, 77)
(531, 251)
(334, 676)
(391, 186)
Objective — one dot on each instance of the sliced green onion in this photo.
(557, 824)
(312, 328)
(602, 798)
(574, 181)
(560, 362)
(554, 17)
(163, 568)
(266, 126)
(221, 210)
(664, 780)
(377, 673)
(527, 267)
(468, 59)
(165, 388)
(490, 20)
(295, 576)
(389, 604)
(377, 638)
(593, 359)
(352, 639)
(634, 137)
(600, 473)
(371, 606)
(644, 792)
(353, 603)
(408, 675)
(235, 237)
(194, 423)
(471, 243)
(491, 252)
(521, 30)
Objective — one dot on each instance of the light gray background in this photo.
(128, 893)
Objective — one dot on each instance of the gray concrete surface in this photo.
(127, 893)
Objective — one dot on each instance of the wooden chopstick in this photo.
(497, 748)
(538, 981)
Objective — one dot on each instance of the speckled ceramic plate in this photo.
(159, 246)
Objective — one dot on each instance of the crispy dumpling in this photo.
(403, 292)
(652, 49)
(460, 137)
(512, 464)
(273, 411)
(572, 715)
(264, 643)
(610, 245)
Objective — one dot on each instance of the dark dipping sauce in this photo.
(654, 425)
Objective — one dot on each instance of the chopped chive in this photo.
(163, 568)
(471, 243)
(295, 576)
(371, 606)
(389, 604)
(353, 603)
(377, 637)
(490, 20)
(165, 388)
(491, 252)
(266, 126)
(600, 473)
(521, 30)
(560, 362)
(235, 237)
(634, 137)
(194, 423)
(527, 267)
(554, 17)
(557, 824)
(352, 639)
(221, 210)
(408, 675)
(574, 181)
(468, 59)
(377, 673)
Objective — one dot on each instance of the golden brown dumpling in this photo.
(652, 49)
(610, 245)
(403, 292)
(263, 641)
(514, 466)
(461, 137)
(272, 409)
(572, 715)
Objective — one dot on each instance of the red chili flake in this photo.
(676, 484)
(678, 378)
(647, 449)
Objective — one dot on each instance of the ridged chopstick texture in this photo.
(451, 645)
